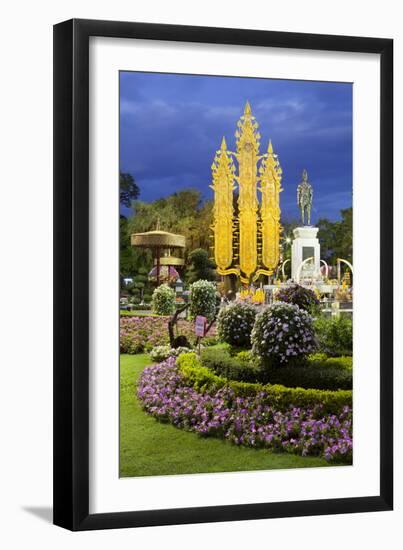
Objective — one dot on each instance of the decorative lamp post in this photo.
(179, 286)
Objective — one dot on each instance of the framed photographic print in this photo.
(223, 318)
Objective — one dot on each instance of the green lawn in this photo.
(148, 447)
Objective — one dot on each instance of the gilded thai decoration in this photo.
(246, 244)
(270, 188)
(223, 186)
(247, 155)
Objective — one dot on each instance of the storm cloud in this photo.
(171, 126)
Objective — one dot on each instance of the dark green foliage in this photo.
(183, 212)
(335, 335)
(317, 372)
(232, 367)
(181, 342)
(200, 267)
(323, 377)
(336, 238)
(203, 379)
(128, 189)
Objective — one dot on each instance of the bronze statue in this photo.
(304, 198)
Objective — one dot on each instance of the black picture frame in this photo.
(71, 274)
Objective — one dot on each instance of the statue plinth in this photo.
(305, 255)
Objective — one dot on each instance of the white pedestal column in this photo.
(305, 245)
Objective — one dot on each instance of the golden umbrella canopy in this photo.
(158, 240)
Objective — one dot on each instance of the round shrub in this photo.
(163, 300)
(302, 297)
(283, 334)
(202, 299)
(235, 323)
(335, 335)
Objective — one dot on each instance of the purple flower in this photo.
(248, 421)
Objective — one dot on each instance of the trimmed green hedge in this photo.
(202, 379)
(234, 367)
(322, 377)
(317, 372)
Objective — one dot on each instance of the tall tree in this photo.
(183, 212)
(128, 189)
(344, 248)
(131, 259)
(201, 267)
(336, 238)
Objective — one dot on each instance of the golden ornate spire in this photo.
(247, 110)
(223, 186)
(270, 187)
(248, 245)
(247, 155)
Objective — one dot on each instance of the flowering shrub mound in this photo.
(235, 323)
(163, 300)
(202, 299)
(305, 298)
(283, 334)
(248, 421)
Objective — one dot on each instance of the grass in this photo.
(148, 447)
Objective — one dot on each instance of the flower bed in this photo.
(277, 395)
(138, 334)
(250, 421)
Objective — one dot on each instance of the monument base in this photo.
(305, 255)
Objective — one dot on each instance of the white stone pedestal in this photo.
(305, 245)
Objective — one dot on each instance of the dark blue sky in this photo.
(171, 126)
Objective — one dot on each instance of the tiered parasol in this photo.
(159, 241)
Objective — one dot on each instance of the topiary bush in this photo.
(335, 335)
(163, 300)
(202, 300)
(235, 323)
(300, 296)
(283, 334)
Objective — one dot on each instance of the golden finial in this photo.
(223, 144)
(270, 147)
(247, 110)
